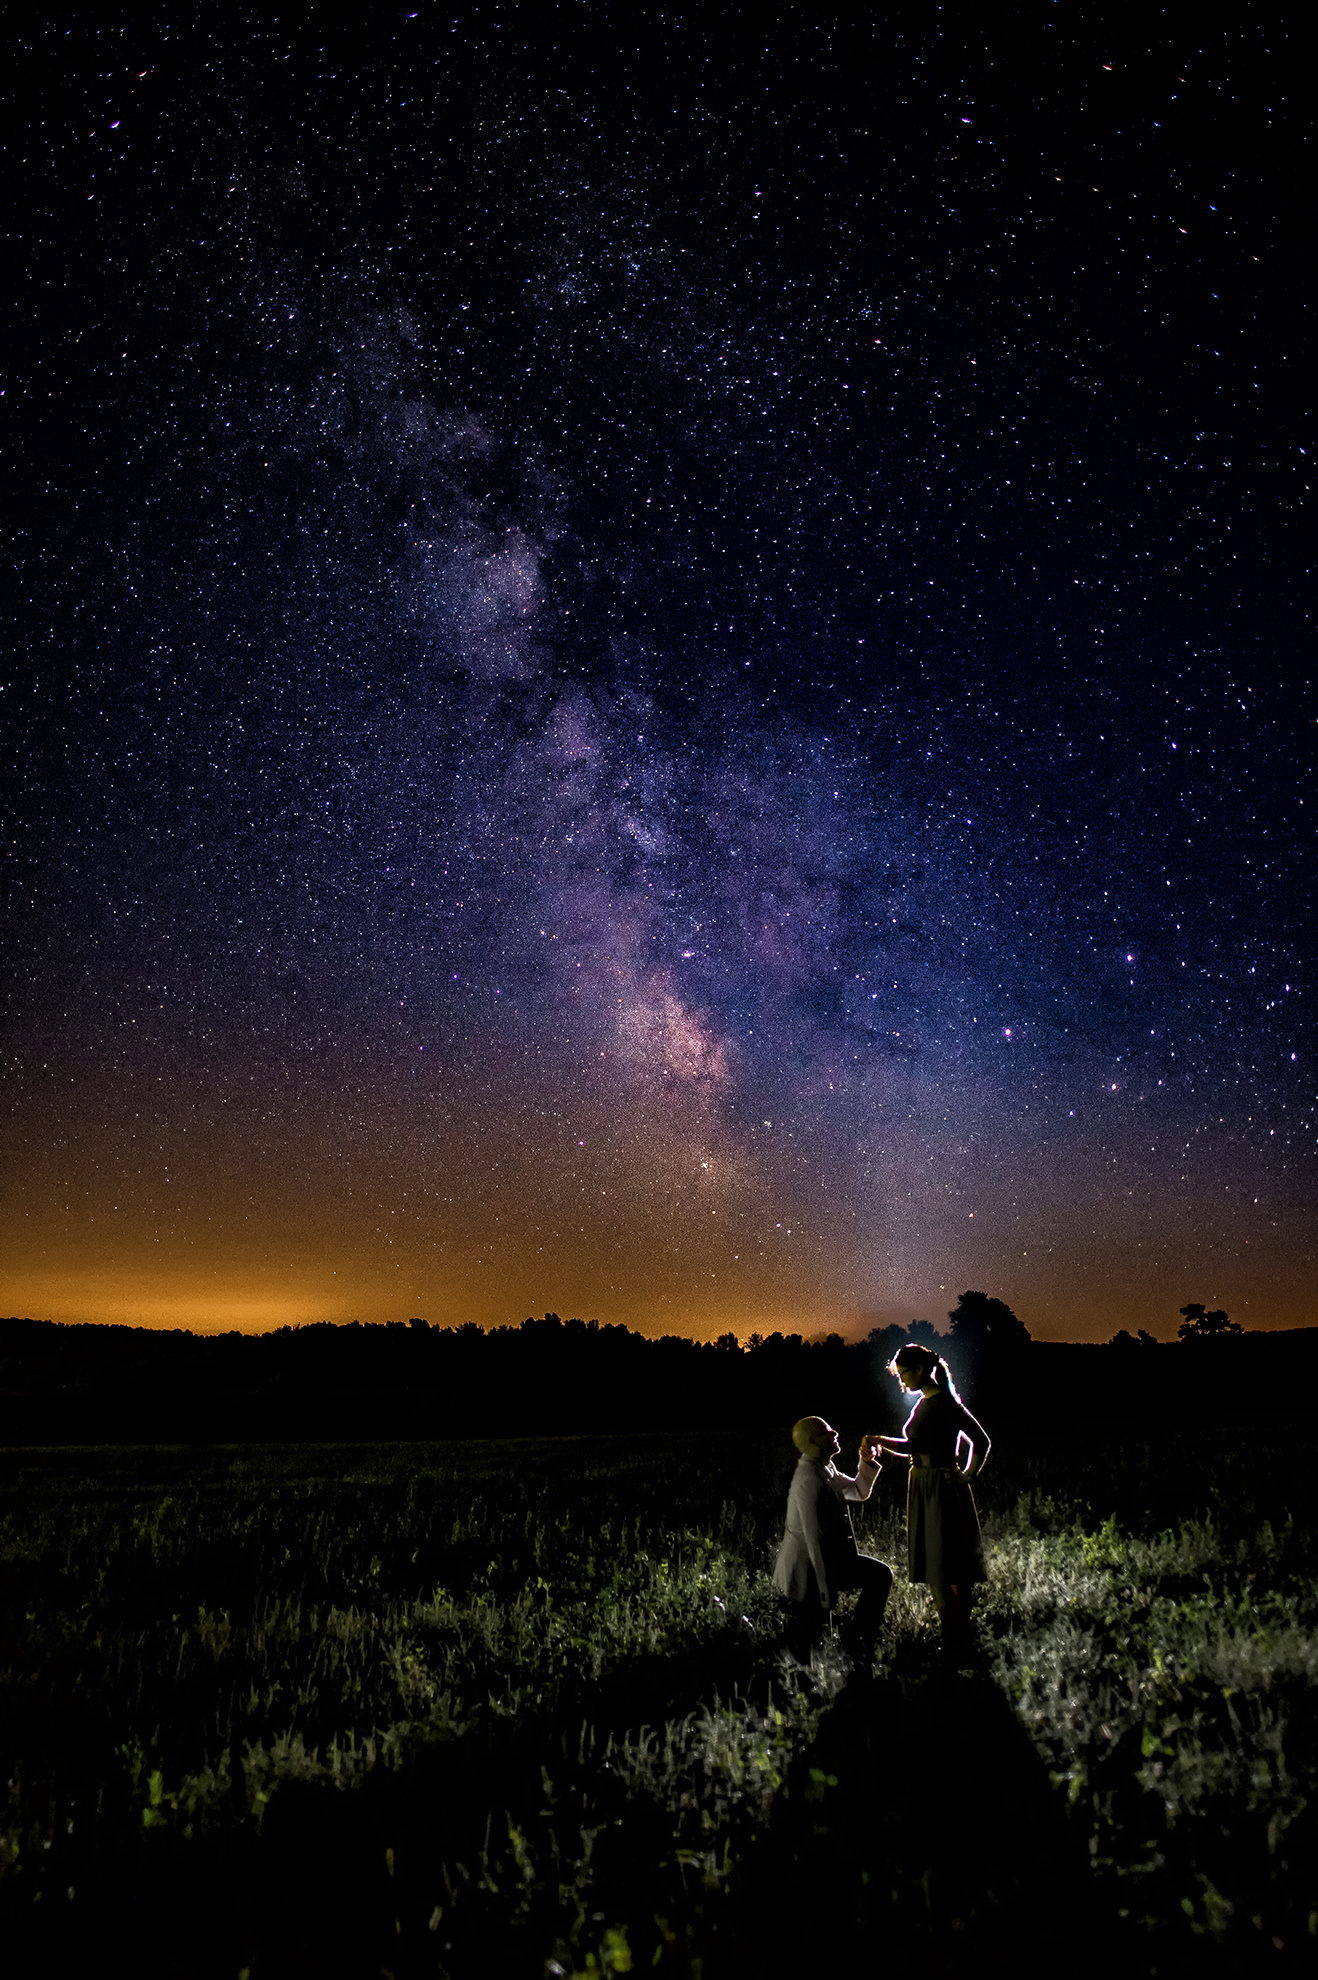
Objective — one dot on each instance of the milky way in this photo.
(658, 674)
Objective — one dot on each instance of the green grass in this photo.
(1169, 1682)
(526, 1702)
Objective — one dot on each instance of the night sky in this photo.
(656, 667)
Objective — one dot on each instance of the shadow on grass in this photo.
(922, 1828)
(918, 1832)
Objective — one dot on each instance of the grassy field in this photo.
(521, 1708)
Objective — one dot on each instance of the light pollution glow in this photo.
(655, 1210)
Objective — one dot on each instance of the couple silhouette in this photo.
(819, 1559)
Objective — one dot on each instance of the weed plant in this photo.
(184, 1641)
(1171, 1684)
(526, 1703)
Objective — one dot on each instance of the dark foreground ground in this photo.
(880, 1863)
(918, 1826)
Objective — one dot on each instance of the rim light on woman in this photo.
(946, 1549)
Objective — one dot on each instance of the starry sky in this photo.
(656, 666)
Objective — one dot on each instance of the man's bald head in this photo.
(815, 1438)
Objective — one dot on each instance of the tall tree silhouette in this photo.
(987, 1343)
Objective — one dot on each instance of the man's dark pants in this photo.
(805, 1620)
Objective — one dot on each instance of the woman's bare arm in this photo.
(977, 1438)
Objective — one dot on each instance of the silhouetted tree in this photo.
(987, 1342)
(925, 1332)
(979, 1321)
(1196, 1325)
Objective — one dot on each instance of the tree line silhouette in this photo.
(100, 1383)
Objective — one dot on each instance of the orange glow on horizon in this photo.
(250, 1300)
(115, 1298)
(251, 1303)
(636, 1225)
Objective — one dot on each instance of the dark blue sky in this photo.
(660, 671)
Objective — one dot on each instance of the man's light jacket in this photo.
(818, 1548)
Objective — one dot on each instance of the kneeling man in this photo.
(819, 1557)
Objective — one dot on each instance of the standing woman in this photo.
(942, 1527)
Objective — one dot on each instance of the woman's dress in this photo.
(943, 1539)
